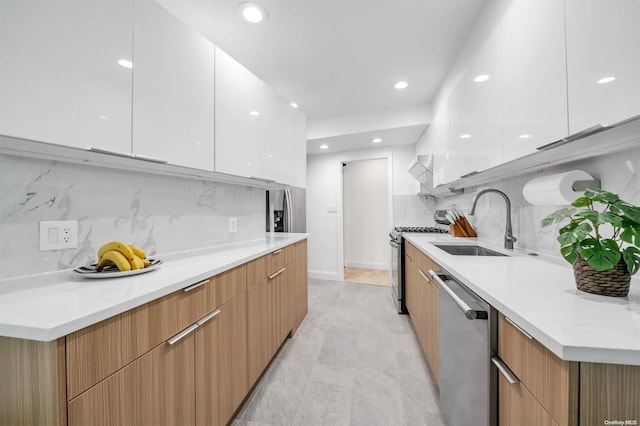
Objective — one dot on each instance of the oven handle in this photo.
(464, 307)
(394, 244)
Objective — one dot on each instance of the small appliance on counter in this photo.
(397, 260)
(285, 210)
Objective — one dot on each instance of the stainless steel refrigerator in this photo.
(286, 211)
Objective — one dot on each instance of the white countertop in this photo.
(539, 294)
(48, 306)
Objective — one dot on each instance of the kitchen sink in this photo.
(460, 250)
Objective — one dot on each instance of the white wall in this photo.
(324, 191)
(366, 214)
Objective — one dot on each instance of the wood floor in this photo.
(367, 276)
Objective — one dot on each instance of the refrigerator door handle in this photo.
(288, 211)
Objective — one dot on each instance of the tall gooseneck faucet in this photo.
(509, 239)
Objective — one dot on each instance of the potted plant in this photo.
(601, 241)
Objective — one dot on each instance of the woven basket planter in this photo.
(614, 282)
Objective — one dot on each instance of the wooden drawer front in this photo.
(289, 254)
(553, 382)
(156, 389)
(409, 250)
(256, 271)
(276, 261)
(227, 286)
(517, 407)
(609, 392)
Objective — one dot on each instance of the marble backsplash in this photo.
(413, 210)
(161, 214)
(618, 172)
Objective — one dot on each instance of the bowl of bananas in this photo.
(119, 259)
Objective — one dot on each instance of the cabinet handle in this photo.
(573, 137)
(475, 172)
(423, 275)
(504, 370)
(150, 159)
(517, 327)
(114, 153)
(276, 252)
(196, 285)
(209, 317)
(184, 333)
(262, 179)
(275, 274)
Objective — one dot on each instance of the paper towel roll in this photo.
(555, 189)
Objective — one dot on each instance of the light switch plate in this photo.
(58, 235)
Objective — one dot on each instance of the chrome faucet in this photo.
(509, 239)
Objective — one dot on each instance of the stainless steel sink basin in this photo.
(460, 250)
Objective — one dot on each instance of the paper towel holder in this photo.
(581, 185)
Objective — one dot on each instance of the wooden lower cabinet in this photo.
(302, 287)
(221, 374)
(155, 389)
(517, 407)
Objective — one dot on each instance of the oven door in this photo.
(397, 285)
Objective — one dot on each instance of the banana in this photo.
(138, 251)
(146, 262)
(136, 263)
(115, 258)
(119, 246)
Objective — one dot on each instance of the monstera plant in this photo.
(602, 234)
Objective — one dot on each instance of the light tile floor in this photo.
(354, 361)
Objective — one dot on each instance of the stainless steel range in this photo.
(397, 260)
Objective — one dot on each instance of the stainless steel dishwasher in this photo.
(467, 341)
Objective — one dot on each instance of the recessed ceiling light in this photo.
(125, 63)
(376, 140)
(401, 85)
(465, 136)
(324, 146)
(480, 78)
(294, 105)
(254, 113)
(103, 117)
(253, 12)
(606, 80)
(197, 142)
(525, 136)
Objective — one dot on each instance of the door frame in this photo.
(340, 201)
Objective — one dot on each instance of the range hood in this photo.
(421, 168)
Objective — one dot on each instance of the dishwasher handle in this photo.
(469, 312)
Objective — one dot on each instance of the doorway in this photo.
(366, 221)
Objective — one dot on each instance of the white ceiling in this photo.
(396, 136)
(339, 58)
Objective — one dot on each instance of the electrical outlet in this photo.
(58, 235)
(233, 224)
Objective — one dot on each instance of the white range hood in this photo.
(421, 168)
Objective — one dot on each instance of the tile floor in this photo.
(353, 361)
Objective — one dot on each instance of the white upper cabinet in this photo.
(173, 90)
(65, 74)
(239, 118)
(603, 60)
(278, 153)
(475, 141)
(534, 76)
(300, 149)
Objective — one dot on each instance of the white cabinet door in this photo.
(603, 42)
(278, 153)
(534, 76)
(60, 77)
(476, 113)
(300, 149)
(173, 89)
(239, 118)
(439, 141)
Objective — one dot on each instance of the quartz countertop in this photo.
(47, 306)
(539, 294)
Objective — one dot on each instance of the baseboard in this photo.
(323, 275)
(367, 265)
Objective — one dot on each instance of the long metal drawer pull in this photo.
(504, 370)
(423, 275)
(184, 333)
(196, 285)
(275, 274)
(517, 327)
(276, 252)
(209, 317)
(116, 153)
(150, 159)
(468, 312)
